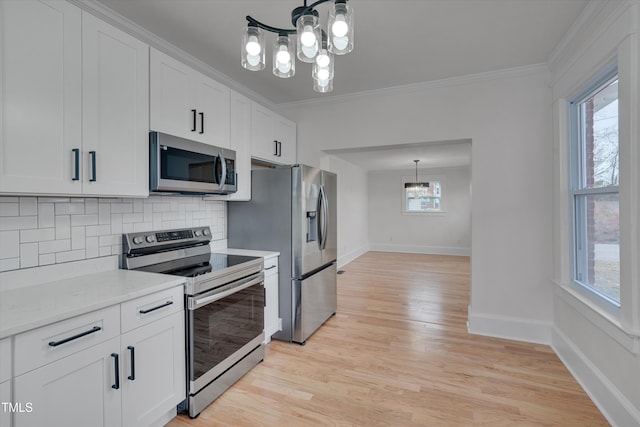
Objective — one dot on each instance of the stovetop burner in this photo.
(217, 262)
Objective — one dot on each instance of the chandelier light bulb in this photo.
(283, 56)
(253, 60)
(323, 59)
(253, 46)
(283, 62)
(340, 43)
(323, 74)
(340, 28)
(308, 38)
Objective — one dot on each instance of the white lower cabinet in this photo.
(92, 378)
(271, 320)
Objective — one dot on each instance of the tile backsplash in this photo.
(36, 231)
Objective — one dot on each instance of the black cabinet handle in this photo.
(269, 268)
(75, 337)
(275, 146)
(156, 308)
(279, 148)
(116, 367)
(76, 161)
(201, 122)
(93, 166)
(193, 129)
(132, 351)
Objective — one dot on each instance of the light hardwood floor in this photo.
(397, 353)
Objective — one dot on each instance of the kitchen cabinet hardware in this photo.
(168, 303)
(132, 353)
(76, 163)
(92, 154)
(201, 122)
(279, 148)
(194, 127)
(116, 368)
(275, 147)
(269, 268)
(75, 337)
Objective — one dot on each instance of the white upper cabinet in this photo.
(115, 94)
(40, 96)
(273, 138)
(186, 103)
(74, 103)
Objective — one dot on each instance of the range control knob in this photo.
(137, 240)
(197, 233)
(206, 232)
(151, 238)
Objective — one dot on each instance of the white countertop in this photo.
(248, 252)
(33, 306)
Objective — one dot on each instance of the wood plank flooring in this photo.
(397, 353)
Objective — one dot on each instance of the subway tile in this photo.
(147, 213)
(109, 200)
(110, 240)
(9, 244)
(105, 250)
(63, 227)
(46, 215)
(54, 246)
(28, 206)
(10, 223)
(91, 206)
(97, 230)
(77, 238)
(48, 200)
(104, 214)
(116, 250)
(77, 220)
(7, 199)
(9, 264)
(73, 208)
(37, 235)
(70, 256)
(127, 228)
(138, 205)
(9, 209)
(169, 216)
(132, 218)
(121, 208)
(92, 247)
(142, 226)
(116, 223)
(29, 255)
(47, 259)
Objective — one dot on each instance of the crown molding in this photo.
(102, 12)
(448, 82)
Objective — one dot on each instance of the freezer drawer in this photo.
(314, 301)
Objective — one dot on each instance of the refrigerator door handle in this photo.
(325, 217)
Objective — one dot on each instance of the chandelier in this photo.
(417, 190)
(315, 46)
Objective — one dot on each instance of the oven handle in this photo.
(193, 303)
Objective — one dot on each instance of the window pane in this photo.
(599, 138)
(598, 243)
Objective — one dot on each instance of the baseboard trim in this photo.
(420, 249)
(350, 256)
(512, 328)
(616, 408)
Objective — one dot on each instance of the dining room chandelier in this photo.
(314, 45)
(417, 190)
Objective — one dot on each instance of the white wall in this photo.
(507, 116)
(601, 348)
(446, 233)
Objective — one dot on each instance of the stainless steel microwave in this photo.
(178, 165)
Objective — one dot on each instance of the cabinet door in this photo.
(116, 109)
(74, 391)
(154, 374)
(212, 105)
(271, 298)
(286, 136)
(40, 96)
(240, 132)
(263, 144)
(171, 101)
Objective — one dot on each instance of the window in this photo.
(424, 196)
(594, 169)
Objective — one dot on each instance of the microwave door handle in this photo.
(223, 178)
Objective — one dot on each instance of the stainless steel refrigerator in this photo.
(293, 211)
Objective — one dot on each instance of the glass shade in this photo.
(309, 37)
(284, 59)
(323, 86)
(252, 49)
(323, 66)
(340, 28)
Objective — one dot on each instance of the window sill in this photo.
(598, 316)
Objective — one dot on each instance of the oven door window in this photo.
(223, 327)
(183, 165)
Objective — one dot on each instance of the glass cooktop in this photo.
(214, 262)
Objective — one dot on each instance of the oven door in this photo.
(223, 325)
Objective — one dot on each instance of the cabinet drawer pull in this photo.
(132, 354)
(156, 308)
(193, 129)
(116, 367)
(201, 122)
(93, 166)
(269, 268)
(275, 146)
(279, 148)
(76, 164)
(75, 337)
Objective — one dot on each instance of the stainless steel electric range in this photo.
(224, 300)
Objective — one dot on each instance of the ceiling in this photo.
(397, 42)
